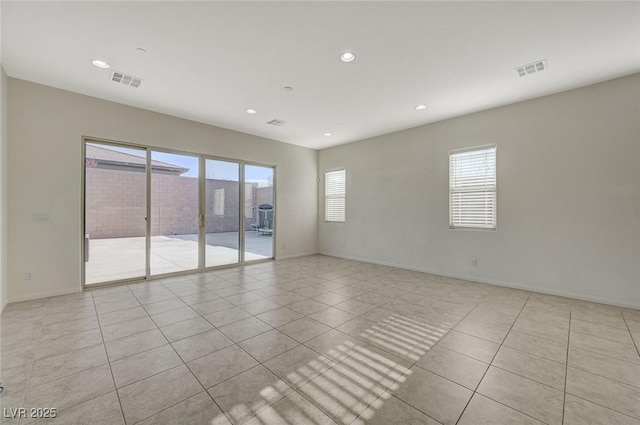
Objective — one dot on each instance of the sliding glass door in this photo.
(153, 213)
(259, 212)
(115, 229)
(175, 209)
(222, 212)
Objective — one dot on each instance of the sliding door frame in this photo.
(201, 212)
(242, 213)
(275, 212)
(83, 194)
(150, 150)
(203, 193)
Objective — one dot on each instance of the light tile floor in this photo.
(320, 340)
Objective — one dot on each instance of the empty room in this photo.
(320, 212)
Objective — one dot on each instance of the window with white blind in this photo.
(218, 202)
(472, 188)
(248, 200)
(335, 194)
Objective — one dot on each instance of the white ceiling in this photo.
(211, 61)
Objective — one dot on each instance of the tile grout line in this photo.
(348, 408)
(604, 337)
(635, 418)
(497, 367)
(475, 391)
(91, 368)
(215, 327)
(566, 368)
(610, 357)
(75, 350)
(631, 335)
(331, 328)
(294, 390)
(33, 361)
(156, 374)
(206, 390)
(414, 363)
(190, 371)
(557, 342)
(445, 334)
(115, 388)
(183, 362)
(337, 362)
(532, 355)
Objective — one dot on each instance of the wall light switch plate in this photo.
(40, 216)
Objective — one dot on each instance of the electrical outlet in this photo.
(474, 262)
(28, 276)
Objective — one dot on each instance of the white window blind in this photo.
(472, 188)
(218, 202)
(248, 200)
(335, 192)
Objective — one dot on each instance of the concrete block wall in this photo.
(116, 204)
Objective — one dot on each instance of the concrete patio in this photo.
(122, 258)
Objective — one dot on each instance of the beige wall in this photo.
(568, 196)
(3, 189)
(46, 126)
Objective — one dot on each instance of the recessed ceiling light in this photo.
(421, 107)
(348, 57)
(327, 134)
(141, 50)
(100, 64)
(251, 111)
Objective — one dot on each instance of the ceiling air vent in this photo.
(126, 79)
(276, 122)
(532, 68)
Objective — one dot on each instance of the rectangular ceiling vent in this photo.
(126, 79)
(276, 122)
(532, 68)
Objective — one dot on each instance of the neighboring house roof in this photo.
(113, 157)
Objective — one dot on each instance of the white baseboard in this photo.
(45, 294)
(289, 257)
(491, 282)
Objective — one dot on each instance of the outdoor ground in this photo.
(122, 258)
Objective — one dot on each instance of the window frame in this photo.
(452, 190)
(327, 197)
